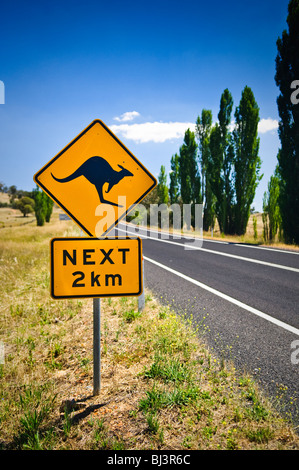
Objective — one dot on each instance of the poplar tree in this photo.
(224, 117)
(221, 165)
(217, 180)
(271, 212)
(48, 208)
(162, 186)
(174, 186)
(203, 132)
(39, 206)
(287, 74)
(188, 170)
(246, 161)
(43, 206)
(189, 176)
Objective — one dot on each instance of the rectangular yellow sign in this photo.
(90, 267)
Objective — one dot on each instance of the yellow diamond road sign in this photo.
(89, 267)
(95, 179)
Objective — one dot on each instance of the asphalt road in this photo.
(247, 297)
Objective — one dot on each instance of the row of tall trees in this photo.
(218, 165)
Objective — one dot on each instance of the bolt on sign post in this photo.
(94, 177)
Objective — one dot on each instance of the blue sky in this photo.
(146, 69)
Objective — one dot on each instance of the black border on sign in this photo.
(52, 241)
(37, 175)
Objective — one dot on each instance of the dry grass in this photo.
(4, 198)
(249, 236)
(161, 388)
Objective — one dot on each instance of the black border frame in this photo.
(135, 294)
(37, 175)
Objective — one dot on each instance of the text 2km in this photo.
(93, 257)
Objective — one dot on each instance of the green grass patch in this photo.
(168, 369)
(161, 386)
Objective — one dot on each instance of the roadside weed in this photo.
(162, 387)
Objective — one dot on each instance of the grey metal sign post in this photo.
(141, 298)
(96, 346)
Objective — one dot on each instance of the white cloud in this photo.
(129, 116)
(153, 131)
(160, 132)
(266, 125)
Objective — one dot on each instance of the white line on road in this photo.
(285, 252)
(228, 255)
(178, 235)
(242, 245)
(263, 315)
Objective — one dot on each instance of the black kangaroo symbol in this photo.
(98, 172)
